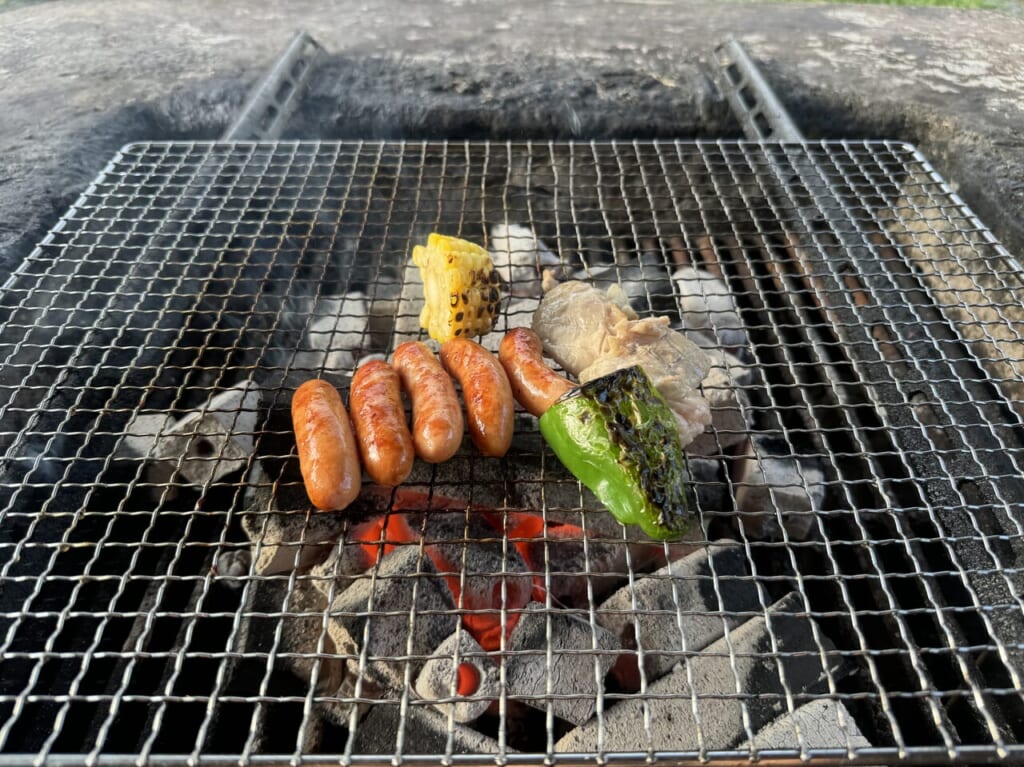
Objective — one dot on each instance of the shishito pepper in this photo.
(617, 435)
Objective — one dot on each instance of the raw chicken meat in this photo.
(591, 333)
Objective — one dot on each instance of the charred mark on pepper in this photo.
(619, 437)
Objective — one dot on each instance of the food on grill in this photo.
(535, 386)
(460, 288)
(378, 417)
(437, 422)
(591, 333)
(520, 258)
(617, 435)
(486, 392)
(328, 456)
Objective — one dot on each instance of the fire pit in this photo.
(849, 586)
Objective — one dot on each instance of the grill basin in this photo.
(187, 272)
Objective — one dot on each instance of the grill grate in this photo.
(167, 597)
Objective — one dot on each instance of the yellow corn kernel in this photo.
(460, 288)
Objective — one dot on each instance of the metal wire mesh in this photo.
(850, 588)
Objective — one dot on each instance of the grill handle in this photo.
(275, 99)
(752, 99)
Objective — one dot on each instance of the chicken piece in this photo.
(591, 333)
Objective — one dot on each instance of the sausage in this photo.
(535, 386)
(437, 422)
(490, 409)
(378, 416)
(328, 457)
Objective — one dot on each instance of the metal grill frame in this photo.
(869, 325)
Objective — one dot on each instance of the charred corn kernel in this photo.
(618, 436)
(460, 288)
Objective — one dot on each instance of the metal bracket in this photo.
(274, 100)
(751, 97)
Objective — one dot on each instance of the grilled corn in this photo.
(460, 287)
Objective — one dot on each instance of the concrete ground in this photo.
(78, 78)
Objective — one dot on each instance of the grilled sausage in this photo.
(437, 422)
(535, 386)
(490, 409)
(375, 401)
(328, 457)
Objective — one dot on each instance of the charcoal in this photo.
(709, 700)
(140, 441)
(421, 730)
(709, 487)
(300, 635)
(577, 572)
(293, 540)
(335, 573)
(680, 609)
(723, 389)
(822, 723)
(336, 332)
(402, 608)
(645, 282)
(708, 310)
(440, 674)
(493, 585)
(304, 634)
(410, 304)
(232, 566)
(558, 654)
(520, 258)
(202, 447)
(776, 490)
(466, 477)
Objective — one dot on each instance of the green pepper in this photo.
(617, 435)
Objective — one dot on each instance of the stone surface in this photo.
(82, 77)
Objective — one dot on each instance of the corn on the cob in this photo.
(460, 288)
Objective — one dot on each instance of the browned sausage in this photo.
(437, 422)
(534, 385)
(375, 401)
(328, 457)
(490, 409)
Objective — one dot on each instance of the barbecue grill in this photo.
(169, 596)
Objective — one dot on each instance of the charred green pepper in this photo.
(617, 435)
